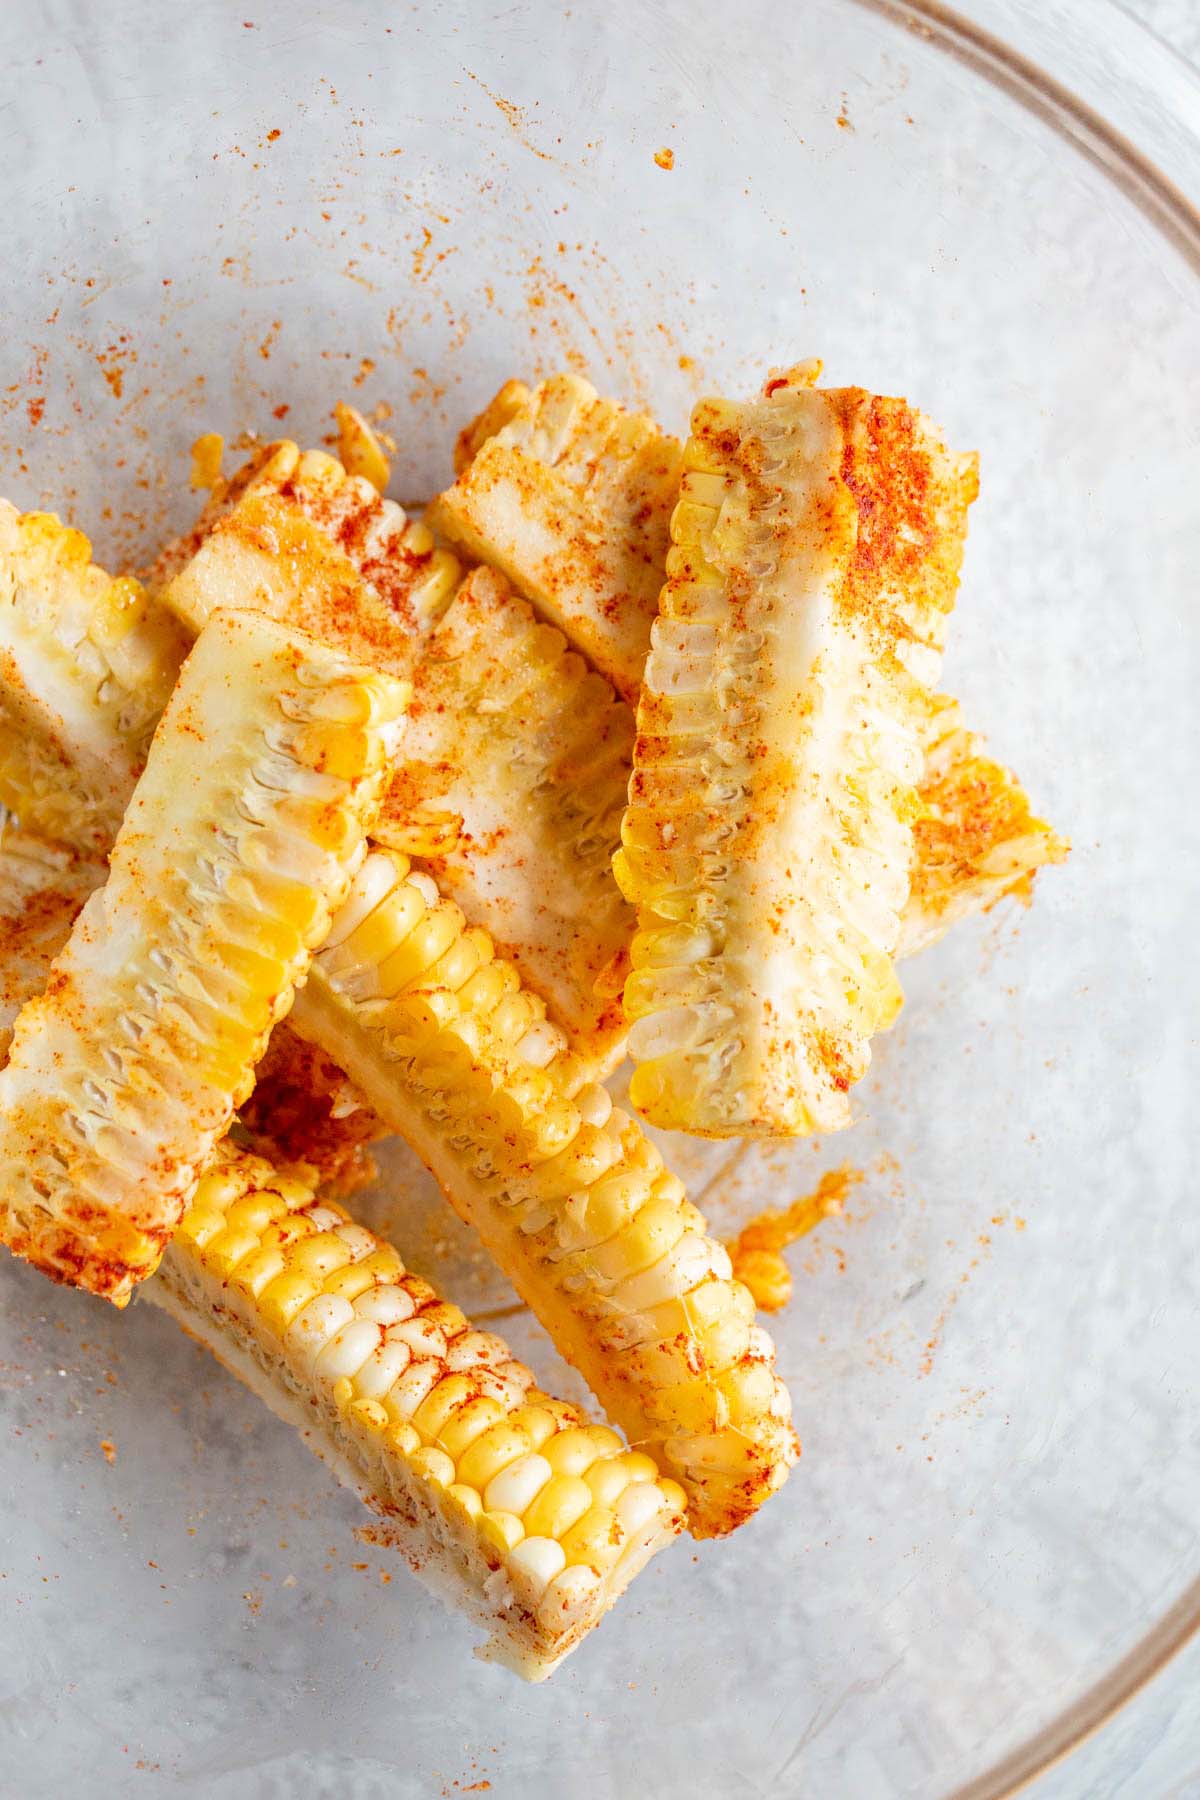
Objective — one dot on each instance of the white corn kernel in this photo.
(382, 1369)
(386, 1305)
(537, 1560)
(348, 1349)
(316, 1323)
(568, 1597)
(641, 1502)
(515, 1488)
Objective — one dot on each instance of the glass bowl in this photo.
(227, 217)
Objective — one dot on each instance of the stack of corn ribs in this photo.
(628, 747)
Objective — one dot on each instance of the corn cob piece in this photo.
(568, 1195)
(86, 665)
(306, 538)
(42, 887)
(238, 845)
(768, 841)
(516, 761)
(570, 495)
(976, 839)
(516, 755)
(507, 1504)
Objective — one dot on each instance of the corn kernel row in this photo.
(567, 1193)
(558, 1504)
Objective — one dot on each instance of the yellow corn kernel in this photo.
(467, 1423)
(402, 1438)
(349, 1282)
(450, 1320)
(284, 1298)
(492, 1451)
(537, 1422)
(207, 454)
(451, 1392)
(640, 1466)
(201, 1224)
(749, 1389)
(434, 1464)
(425, 943)
(319, 1255)
(467, 1498)
(458, 963)
(485, 990)
(383, 930)
(384, 1266)
(253, 1275)
(224, 1252)
(368, 1413)
(342, 1393)
(359, 449)
(219, 1188)
(563, 1414)
(286, 1232)
(675, 1497)
(652, 1233)
(573, 1452)
(254, 1212)
(597, 1539)
(502, 1530)
(607, 1479)
(563, 1500)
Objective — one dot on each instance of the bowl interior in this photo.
(990, 1352)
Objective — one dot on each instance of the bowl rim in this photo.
(1151, 154)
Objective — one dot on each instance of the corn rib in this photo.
(238, 845)
(86, 665)
(568, 1195)
(570, 496)
(506, 1503)
(768, 840)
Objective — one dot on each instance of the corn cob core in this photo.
(86, 665)
(570, 1197)
(570, 496)
(976, 838)
(768, 839)
(516, 760)
(238, 845)
(533, 1517)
